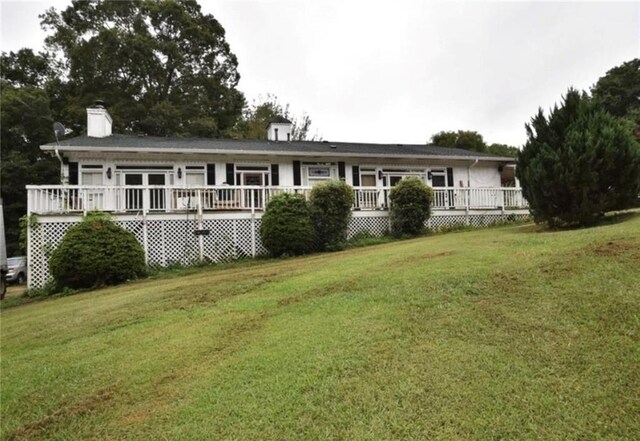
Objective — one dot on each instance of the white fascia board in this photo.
(267, 153)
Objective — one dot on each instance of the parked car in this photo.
(3, 255)
(17, 269)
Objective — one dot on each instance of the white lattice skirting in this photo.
(169, 239)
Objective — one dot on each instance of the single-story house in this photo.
(156, 184)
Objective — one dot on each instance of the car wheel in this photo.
(21, 278)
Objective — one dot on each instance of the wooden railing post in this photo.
(253, 225)
(467, 205)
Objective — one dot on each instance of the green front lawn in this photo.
(504, 333)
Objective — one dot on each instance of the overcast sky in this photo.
(399, 71)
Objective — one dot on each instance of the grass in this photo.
(14, 296)
(505, 333)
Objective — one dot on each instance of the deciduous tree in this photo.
(28, 81)
(619, 91)
(164, 67)
(256, 118)
(462, 139)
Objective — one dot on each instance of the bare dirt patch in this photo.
(420, 257)
(90, 404)
(316, 293)
(617, 249)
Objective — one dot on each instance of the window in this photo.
(252, 174)
(91, 178)
(391, 177)
(320, 172)
(438, 178)
(288, 136)
(194, 176)
(195, 179)
(91, 175)
(312, 173)
(367, 177)
(276, 132)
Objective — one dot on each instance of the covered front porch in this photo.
(81, 199)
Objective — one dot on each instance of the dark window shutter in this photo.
(341, 171)
(449, 177)
(211, 174)
(230, 174)
(275, 174)
(296, 173)
(73, 173)
(356, 175)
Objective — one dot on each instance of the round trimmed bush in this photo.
(97, 252)
(286, 227)
(410, 206)
(331, 204)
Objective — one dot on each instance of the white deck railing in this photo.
(60, 199)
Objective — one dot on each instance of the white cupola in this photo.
(98, 121)
(280, 129)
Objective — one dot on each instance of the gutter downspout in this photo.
(468, 198)
(61, 165)
(469, 172)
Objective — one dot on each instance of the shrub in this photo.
(96, 252)
(331, 204)
(578, 163)
(286, 227)
(410, 206)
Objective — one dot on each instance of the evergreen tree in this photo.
(578, 163)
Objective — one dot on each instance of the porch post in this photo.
(84, 201)
(200, 215)
(253, 224)
(467, 203)
(145, 239)
(29, 243)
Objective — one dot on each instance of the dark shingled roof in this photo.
(211, 145)
(280, 120)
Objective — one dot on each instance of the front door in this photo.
(254, 196)
(156, 195)
(443, 198)
(133, 196)
(394, 180)
(148, 198)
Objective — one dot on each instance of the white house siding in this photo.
(283, 129)
(485, 175)
(482, 174)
